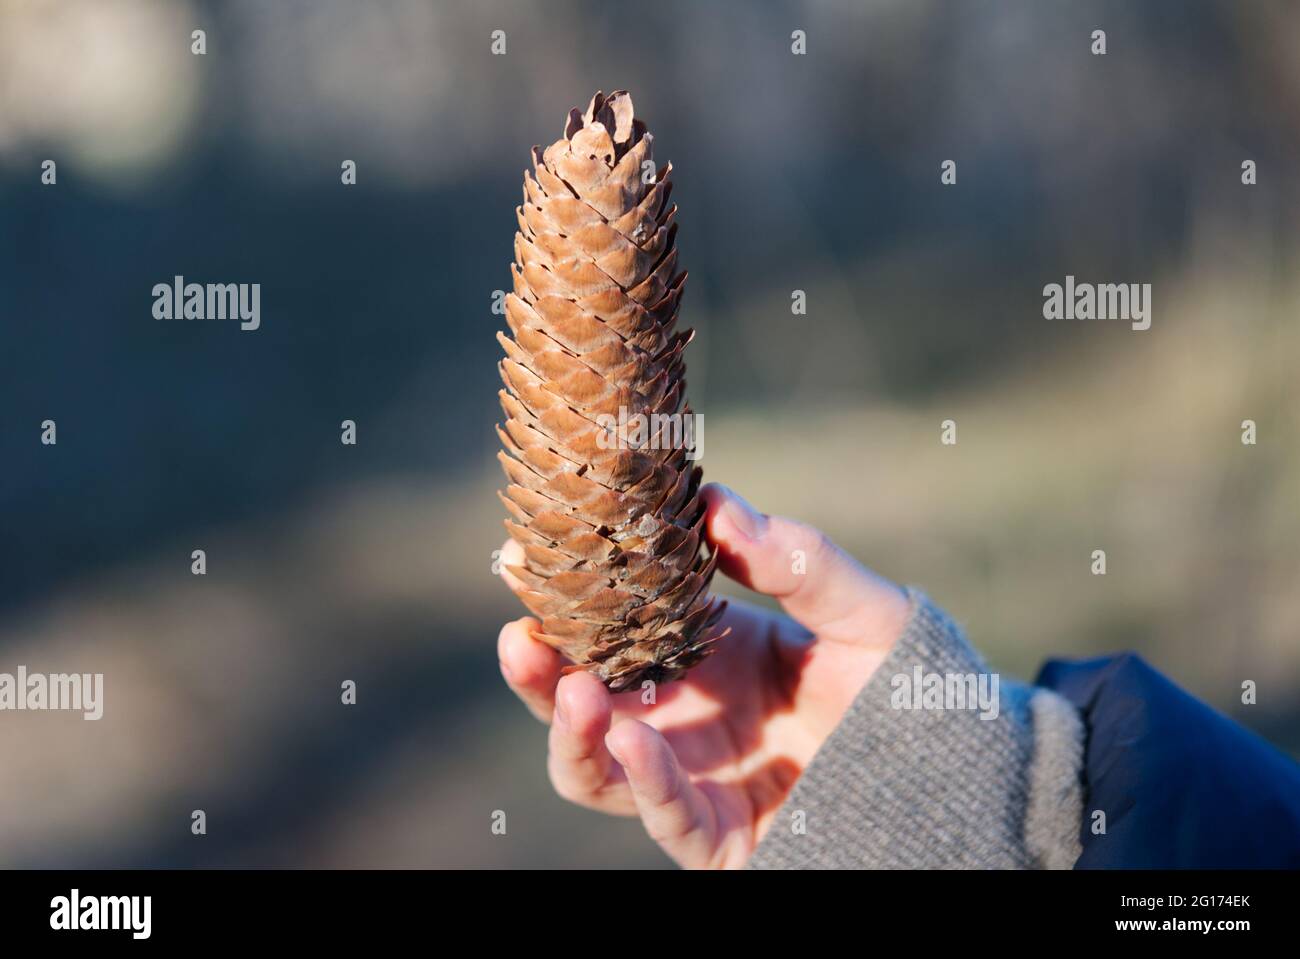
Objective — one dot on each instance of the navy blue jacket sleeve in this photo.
(1182, 785)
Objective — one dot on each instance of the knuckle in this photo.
(822, 546)
(667, 834)
(820, 551)
(564, 785)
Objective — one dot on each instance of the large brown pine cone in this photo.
(611, 529)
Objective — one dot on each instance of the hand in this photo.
(707, 766)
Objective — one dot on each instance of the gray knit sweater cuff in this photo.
(938, 763)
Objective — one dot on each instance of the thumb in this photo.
(821, 586)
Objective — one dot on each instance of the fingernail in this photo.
(617, 758)
(748, 520)
(561, 715)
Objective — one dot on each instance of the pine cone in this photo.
(611, 529)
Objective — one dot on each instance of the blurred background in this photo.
(818, 172)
